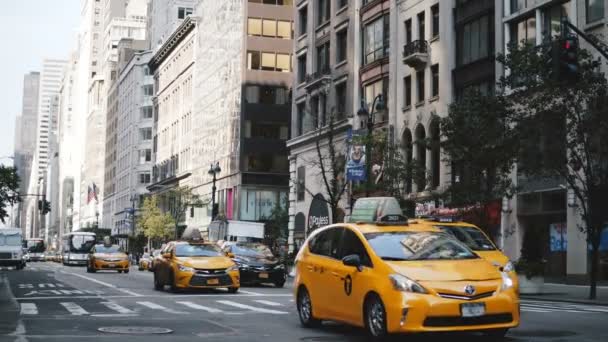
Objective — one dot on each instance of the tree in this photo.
(9, 190)
(330, 164)
(180, 200)
(563, 126)
(155, 224)
(276, 225)
(481, 143)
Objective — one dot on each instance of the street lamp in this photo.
(213, 171)
(364, 115)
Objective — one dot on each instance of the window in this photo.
(146, 71)
(421, 26)
(273, 2)
(284, 29)
(269, 28)
(323, 10)
(301, 186)
(302, 68)
(254, 27)
(524, 30)
(283, 62)
(435, 14)
(323, 58)
(595, 10)
(376, 39)
(420, 85)
(146, 112)
(327, 243)
(475, 40)
(144, 178)
(408, 31)
(341, 100)
(341, 45)
(435, 84)
(314, 111)
(407, 88)
(145, 156)
(148, 90)
(342, 3)
(372, 90)
(552, 19)
(352, 245)
(301, 113)
(183, 12)
(268, 61)
(145, 134)
(303, 20)
(266, 95)
(253, 60)
(517, 5)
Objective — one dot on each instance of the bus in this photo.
(35, 249)
(75, 247)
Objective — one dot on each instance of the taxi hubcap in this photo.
(376, 318)
(305, 306)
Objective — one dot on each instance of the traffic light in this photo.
(44, 206)
(564, 59)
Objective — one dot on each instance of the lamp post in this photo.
(213, 171)
(364, 115)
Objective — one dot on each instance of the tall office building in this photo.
(163, 17)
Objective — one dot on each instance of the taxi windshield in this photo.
(207, 250)
(107, 249)
(470, 236)
(409, 246)
(252, 250)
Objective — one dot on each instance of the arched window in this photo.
(406, 144)
(420, 157)
(435, 154)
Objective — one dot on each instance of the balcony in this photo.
(416, 54)
(318, 78)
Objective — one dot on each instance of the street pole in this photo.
(368, 144)
(213, 171)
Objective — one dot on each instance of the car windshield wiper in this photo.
(394, 258)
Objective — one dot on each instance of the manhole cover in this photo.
(135, 330)
(541, 333)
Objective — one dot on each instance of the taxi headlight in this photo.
(183, 268)
(403, 283)
(232, 268)
(509, 267)
(507, 282)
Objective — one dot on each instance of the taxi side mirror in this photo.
(353, 260)
(167, 255)
(230, 255)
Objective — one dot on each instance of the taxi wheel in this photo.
(174, 287)
(375, 317)
(305, 310)
(233, 289)
(126, 271)
(496, 334)
(119, 271)
(279, 284)
(157, 284)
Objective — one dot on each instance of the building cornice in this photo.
(176, 37)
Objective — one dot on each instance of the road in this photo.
(50, 302)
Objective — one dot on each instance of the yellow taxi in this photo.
(105, 257)
(390, 277)
(474, 238)
(144, 262)
(195, 264)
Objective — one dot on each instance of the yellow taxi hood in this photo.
(496, 258)
(206, 262)
(446, 270)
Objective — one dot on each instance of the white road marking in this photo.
(115, 315)
(29, 309)
(118, 308)
(200, 307)
(534, 310)
(74, 309)
(105, 284)
(267, 302)
(550, 308)
(46, 285)
(251, 293)
(200, 295)
(160, 307)
(249, 307)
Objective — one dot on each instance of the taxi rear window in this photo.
(472, 237)
(109, 249)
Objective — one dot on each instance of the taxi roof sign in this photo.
(384, 210)
(192, 234)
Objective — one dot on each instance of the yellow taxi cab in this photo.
(195, 264)
(104, 257)
(144, 262)
(474, 238)
(390, 277)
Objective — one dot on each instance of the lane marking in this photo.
(594, 308)
(214, 295)
(74, 308)
(118, 308)
(115, 315)
(267, 302)
(553, 309)
(29, 309)
(105, 284)
(534, 310)
(200, 307)
(160, 307)
(251, 293)
(249, 307)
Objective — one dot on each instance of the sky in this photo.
(31, 30)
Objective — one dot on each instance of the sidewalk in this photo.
(570, 293)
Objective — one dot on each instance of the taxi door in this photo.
(317, 270)
(349, 284)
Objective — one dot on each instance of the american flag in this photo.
(95, 189)
(92, 193)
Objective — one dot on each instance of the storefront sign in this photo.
(355, 159)
(558, 236)
(318, 216)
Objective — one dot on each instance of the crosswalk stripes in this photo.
(200, 307)
(546, 307)
(118, 308)
(249, 307)
(267, 302)
(74, 308)
(161, 308)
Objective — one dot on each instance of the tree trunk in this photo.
(595, 260)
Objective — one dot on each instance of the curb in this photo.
(566, 300)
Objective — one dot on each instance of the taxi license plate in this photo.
(112, 265)
(264, 275)
(213, 282)
(472, 309)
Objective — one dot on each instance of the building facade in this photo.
(163, 17)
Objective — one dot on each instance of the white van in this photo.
(11, 248)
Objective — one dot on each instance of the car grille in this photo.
(449, 321)
(224, 280)
(465, 297)
(112, 260)
(210, 272)
(6, 255)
